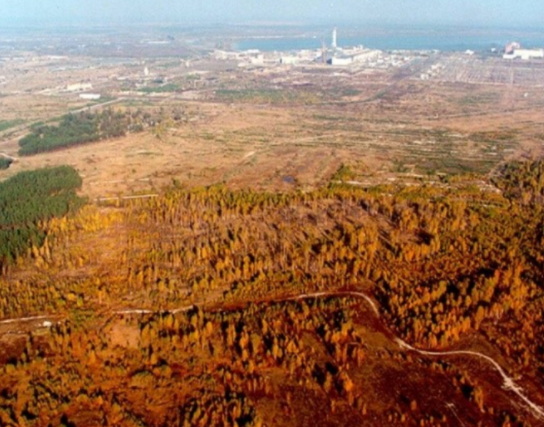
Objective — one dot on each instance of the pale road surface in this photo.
(91, 108)
(23, 319)
(508, 384)
(143, 196)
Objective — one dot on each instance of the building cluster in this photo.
(432, 72)
(339, 56)
(333, 55)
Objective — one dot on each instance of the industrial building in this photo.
(525, 54)
(288, 60)
(340, 60)
(352, 56)
(79, 87)
(339, 56)
(257, 59)
(90, 96)
(511, 47)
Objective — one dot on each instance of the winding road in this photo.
(508, 382)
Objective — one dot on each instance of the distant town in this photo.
(97, 70)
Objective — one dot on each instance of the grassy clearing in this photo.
(479, 98)
(170, 87)
(266, 96)
(7, 124)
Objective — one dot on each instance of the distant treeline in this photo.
(81, 128)
(30, 198)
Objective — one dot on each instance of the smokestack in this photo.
(323, 52)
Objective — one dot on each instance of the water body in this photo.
(448, 40)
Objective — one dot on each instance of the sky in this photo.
(408, 12)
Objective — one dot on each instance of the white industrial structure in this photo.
(288, 60)
(257, 59)
(334, 44)
(90, 96)
(340, 60)
(525, 54)
(79, 87)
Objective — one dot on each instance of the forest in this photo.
(220, 307)
(82, 128)
(30, 199)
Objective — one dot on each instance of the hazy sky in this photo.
(487, 12)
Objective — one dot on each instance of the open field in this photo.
(272, 126)
(411, 128)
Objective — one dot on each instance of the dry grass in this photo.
(412, 126)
